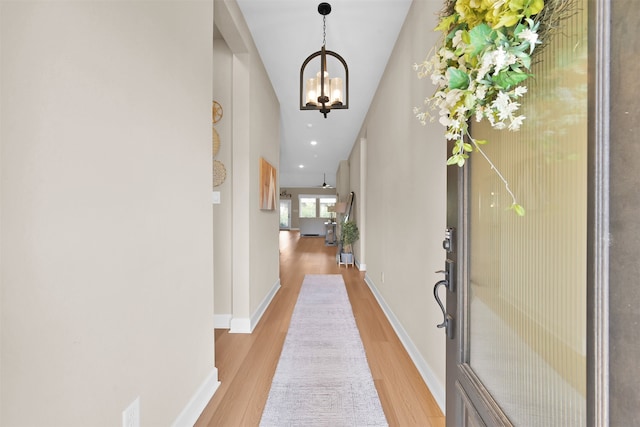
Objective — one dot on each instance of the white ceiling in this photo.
(286, 32)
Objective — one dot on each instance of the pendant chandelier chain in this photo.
(324, 30)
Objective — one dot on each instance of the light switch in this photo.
(216, 197)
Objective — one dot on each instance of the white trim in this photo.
(222, 321)
(199, 401)
(435, 386)
(245, 325)
(264, 305)
(240, 325)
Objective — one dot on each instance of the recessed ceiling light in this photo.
(314, 142)
(301, 166)
(309, 125)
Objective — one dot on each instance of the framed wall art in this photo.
(268, 187)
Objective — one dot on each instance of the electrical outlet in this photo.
(131, 415)
(382, 277)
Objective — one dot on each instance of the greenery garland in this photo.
(479, 70)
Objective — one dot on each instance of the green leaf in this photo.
(470, 100)
(457, 79)
(454, 30)
(452, 160)
(479, 38)
(467, 147)
(519, 29)
(507, 79)
(445, 23)
(466, 38)
(524, 57)
(508, 20)
(481, 141)
(534, 7)
(519, 210)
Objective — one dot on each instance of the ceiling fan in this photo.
(324, 182)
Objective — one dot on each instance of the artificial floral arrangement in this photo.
(485, 56)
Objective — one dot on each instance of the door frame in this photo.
(598, 217)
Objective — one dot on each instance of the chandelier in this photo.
(319, 91)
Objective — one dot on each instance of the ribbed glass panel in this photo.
(528, 274)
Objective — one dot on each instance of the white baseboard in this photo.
(240, 325)
(222, 321)
(245, 325)
(198, 402)
(435, 386)
(264, 305)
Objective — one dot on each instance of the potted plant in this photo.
(348, 235)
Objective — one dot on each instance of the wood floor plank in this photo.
(246, 363)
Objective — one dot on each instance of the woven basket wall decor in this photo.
(219, 173)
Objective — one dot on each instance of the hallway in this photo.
(247, 362)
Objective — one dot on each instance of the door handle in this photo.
(448, 274)
(447, 323)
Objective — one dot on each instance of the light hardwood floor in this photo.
(246, 362)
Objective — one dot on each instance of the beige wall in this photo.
(106, 232)
(222, 213)
(264, 225)
(250, 130)
(405, 198)
(342, 181)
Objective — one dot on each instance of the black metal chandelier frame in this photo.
(323, 103)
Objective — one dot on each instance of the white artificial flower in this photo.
(531, 37)
(481, 92)
(499, 125)
(498, 59)
(501, 102)
(491, 119)
(438, 79)
(506, 111)
(446, 54)
(519, 91)
(452, 98)
(485, 65)
(451, 136)
(457, 39)
(445, 120)
(516, 122)
(461, 111)
(462, 63)
(501, 60)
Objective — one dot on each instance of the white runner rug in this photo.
(322, 377)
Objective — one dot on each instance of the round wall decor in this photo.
(216, 112)
(219, 173)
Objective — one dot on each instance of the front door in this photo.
(285, 214)
(516, 286)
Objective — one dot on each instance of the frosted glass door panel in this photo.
(527, 300)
